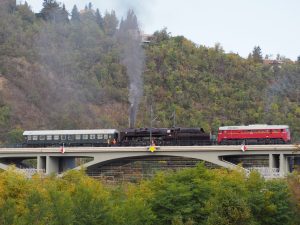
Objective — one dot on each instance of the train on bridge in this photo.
(227, 135)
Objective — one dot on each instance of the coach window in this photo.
(70, 137)
(56, 137)
(29, 138)
(63, 137)
(92, 136)
(105, 136)
(49, 137)
(34, 137)
(77, 137)
(85, 136)
(99, 136)
(42, 137)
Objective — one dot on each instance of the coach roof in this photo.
(69, 132)
(254, 127)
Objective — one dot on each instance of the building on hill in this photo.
(146, 38)
(272, 62)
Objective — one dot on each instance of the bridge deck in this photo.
(215, 148)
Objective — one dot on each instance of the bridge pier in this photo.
(280, 162)
(41, 163)
(52, 164)
(283, 165)
(272, 162)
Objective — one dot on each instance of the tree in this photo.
(228, 207)
(8, 212)
(15, 136)
(162, 35)
(110, 23)
(90, 6)
(52, 11)
(26, 13)
(64, 14)
(7, 6)
(99, 19)
(75, 14)
(90, 203)
(37, 208)
(257, 55)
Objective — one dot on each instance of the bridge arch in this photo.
(211, 158)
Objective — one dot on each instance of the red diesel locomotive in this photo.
(254, 134)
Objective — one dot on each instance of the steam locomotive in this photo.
(251, 134)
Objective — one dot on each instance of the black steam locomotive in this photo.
(164, 136)
(112, 137)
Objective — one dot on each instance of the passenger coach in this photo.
(96, 137)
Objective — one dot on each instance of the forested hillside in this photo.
(66, 72)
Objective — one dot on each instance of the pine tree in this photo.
(49, 10)
(53, 12)
(110, 23)
(257, 54)
(75, 14)
(99, 19)
(64, 14)
(90, 6)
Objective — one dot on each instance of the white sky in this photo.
(238, 25)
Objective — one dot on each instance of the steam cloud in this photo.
(133, 58)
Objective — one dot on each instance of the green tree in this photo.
(90, 203)
(99, 19)
(257, 55)
(181, 195)
(25, 12)
(110, 23)
(52, 11)
(8, 212)
(61, 207)
(37, 209)
(75, 14)
(226, 207)
(15, 136)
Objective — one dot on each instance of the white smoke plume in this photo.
(132, 57)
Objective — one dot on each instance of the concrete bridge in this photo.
(51, 160)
